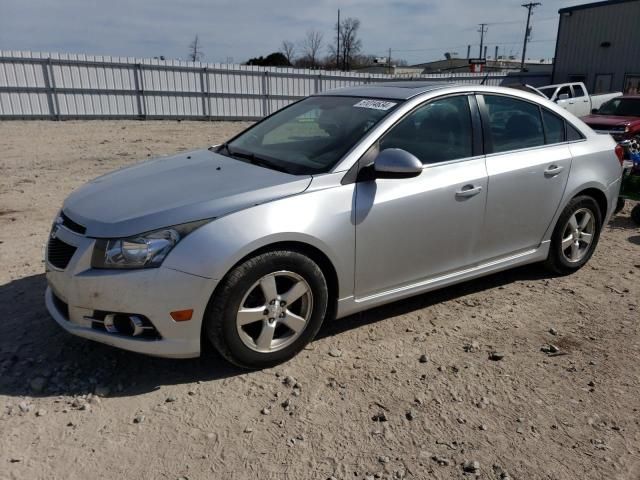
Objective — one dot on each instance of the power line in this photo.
(546, 19)
(465, 46)
(527, 31)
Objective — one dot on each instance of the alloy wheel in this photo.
(578, 235)
(274, 311)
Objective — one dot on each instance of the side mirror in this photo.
(396, 163)
(594, 111)
(563, 96)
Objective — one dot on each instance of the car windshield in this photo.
(311, 136)
(621, 107)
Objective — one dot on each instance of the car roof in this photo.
(391, 90)
(559, 85)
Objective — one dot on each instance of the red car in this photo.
(619, 117)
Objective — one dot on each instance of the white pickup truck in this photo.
(574, 97)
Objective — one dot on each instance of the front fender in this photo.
(320, 218)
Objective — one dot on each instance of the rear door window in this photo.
(578, 91)
(513, 123)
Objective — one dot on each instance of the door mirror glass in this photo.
(563, 96)
(396, 163)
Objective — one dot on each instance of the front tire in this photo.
(267, 309)
(575, 236)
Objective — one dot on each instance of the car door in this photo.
(411, 229)
(580, 101)
(566, 103)
(528, 164)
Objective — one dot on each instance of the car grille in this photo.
(62, 307)
(71, 225)
(59, 253)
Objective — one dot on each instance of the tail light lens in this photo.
(620, 153)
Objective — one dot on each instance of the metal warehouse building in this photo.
(599, 44)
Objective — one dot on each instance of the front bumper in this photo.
(152, 293)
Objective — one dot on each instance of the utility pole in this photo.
(389, 61)
(527, 31)
(482, 31)
(338, 44)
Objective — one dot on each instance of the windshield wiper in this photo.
(253, 158)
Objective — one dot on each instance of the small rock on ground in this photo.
(496, 356)
(471, 466)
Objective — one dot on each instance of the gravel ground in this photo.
(410, 390)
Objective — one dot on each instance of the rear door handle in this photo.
(553, 170)
(468, 191)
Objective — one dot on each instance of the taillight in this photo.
(620, 153)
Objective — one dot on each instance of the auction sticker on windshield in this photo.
(375, 104)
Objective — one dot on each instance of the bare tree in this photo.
(350, 44)
(311, 46)
(195, 50)
(288, 49)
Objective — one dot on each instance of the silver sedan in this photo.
(335, 204)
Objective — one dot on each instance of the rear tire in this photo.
(267, 309)
(635, 214)
(575, 236)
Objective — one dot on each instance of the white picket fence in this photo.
(64, 86)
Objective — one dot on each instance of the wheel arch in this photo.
(311, 251)
(600, 198)
(593, 190)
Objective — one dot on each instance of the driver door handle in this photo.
(553, 170)
(468, 191)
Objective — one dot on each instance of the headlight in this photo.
(146, 250)
(621, 129)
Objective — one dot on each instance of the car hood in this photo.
(609, 120)
(173, 190)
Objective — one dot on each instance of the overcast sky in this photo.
(416, 30)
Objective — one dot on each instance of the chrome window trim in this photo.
(350, 159)
(407, 108)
